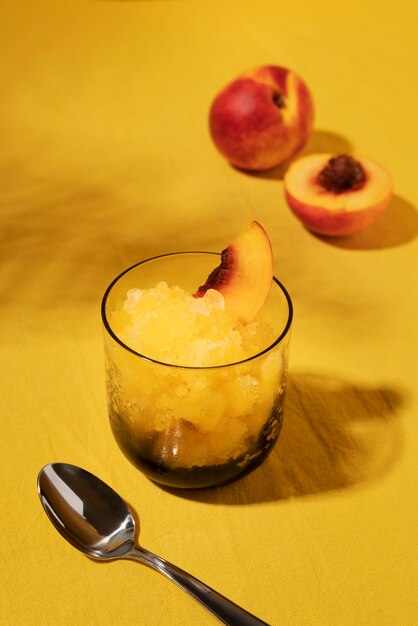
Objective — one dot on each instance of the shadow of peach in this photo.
(336, 434)
(396, 227)
(319, 141)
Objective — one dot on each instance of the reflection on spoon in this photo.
(97, 521)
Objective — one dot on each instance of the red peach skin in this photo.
(262, 118)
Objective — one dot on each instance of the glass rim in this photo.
(270, 347)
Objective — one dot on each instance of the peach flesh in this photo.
(262, 118)
(331, 211)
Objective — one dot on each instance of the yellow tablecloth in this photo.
(105, 160)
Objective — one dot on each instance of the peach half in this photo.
(245, 274)
(337, 195)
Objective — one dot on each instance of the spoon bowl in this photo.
(93, 518)
(86, 511)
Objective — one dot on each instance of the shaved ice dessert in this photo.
(198, 332)
(195, 395)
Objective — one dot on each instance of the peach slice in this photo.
(337, 195)
(245, 274)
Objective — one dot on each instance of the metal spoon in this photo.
(97, 521)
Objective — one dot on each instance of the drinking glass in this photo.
(193, 427)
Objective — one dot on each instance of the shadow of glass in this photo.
(319, 141)
(336, 434)
(397, 226)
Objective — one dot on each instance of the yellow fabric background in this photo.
(105, 160)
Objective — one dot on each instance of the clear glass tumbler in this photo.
(193, 427)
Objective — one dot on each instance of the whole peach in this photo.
(262, 118)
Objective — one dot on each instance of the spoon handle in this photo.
(226, 611)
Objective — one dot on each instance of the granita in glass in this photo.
(196, 376)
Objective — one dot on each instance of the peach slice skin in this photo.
(245, 274)
(330, 213)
